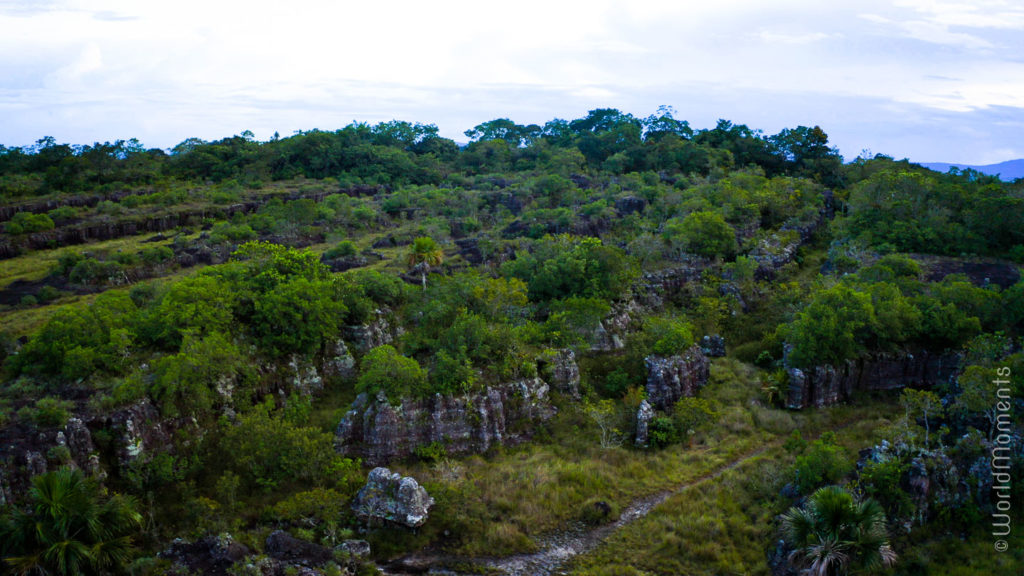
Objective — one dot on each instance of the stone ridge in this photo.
(378, 431)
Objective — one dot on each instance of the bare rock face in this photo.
(304, 377)
(562, 371)
(611, 331)
(79, 443)
(378, 431)
(135, 428)
(826, 385)
(671, 378)
(390, 497)
(643, 422)
(339, 361)
(378, 332)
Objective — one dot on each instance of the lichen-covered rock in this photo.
(339, 362)
(671, 378)
(304, 377)
(355, 548)
(379, 332)
(78, 440)
(827, 385)
(611, 331)
(561, 370)
(390, 497)
(630, 204)
(210, 555)
(713, 346)
(644, 415)
(378, 431)
(135, 428)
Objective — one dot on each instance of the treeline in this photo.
(398, 153)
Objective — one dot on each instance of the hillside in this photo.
(606, 345)
(1009, 170)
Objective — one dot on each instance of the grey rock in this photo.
(80, 445)
(713, 346)
(826, 385)
(630, 204)
(135, 428)
(562, 371)
(305, 379)
(339, 362)
(644, 415)
(378, 431)
(671, 378)
(391, 497)
(379, 332)
(355, 548)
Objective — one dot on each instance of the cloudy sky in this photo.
(930, 81)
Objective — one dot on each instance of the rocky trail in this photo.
(555, 550)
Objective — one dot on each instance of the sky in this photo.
(929, 81)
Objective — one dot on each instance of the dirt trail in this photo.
(557, 549)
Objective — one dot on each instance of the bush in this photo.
(342, 249)
(52, 412)
(385, 370)
(822, 463)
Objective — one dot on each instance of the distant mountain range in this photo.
(1009, 170)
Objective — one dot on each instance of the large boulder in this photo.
(673, 377)
(391, 497)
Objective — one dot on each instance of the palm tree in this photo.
(71, 528)
(423, 254)
(834, 534)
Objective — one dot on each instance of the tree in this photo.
(71, 528)
(423, 254)
(704, 233)
(385, 370)
(920, 403)
(831, 328)
(835, 535)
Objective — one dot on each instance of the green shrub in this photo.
(342, 249)
(824, 462)
(52, 412)
(385, 370)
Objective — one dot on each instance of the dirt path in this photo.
(558, 548)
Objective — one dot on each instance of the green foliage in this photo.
(703, 233)
(668, 336)
(342, 249)
(50, 412)
(384, 370)
(824, 462)
(185, 384)
(835, 534)
(563, 266)
(691, 415)
(28, 223)
(831, 328)
(267, 450)
(297, 316)
(71, 528)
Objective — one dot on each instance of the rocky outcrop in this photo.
(78, 440)
(713, 346)
(390, 497)
(561, 370)
(135, 428)
(379, 332)
(671, 378)
(826, 385)
(611, 332)
(210, 555)
(644, 415)
(338, 362)
(629, 204)
(378, 431)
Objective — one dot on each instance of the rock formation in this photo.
(562, 371)
(671, 378)
(379, 432)
(826, 385)
(390, 497)
(644, 415)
